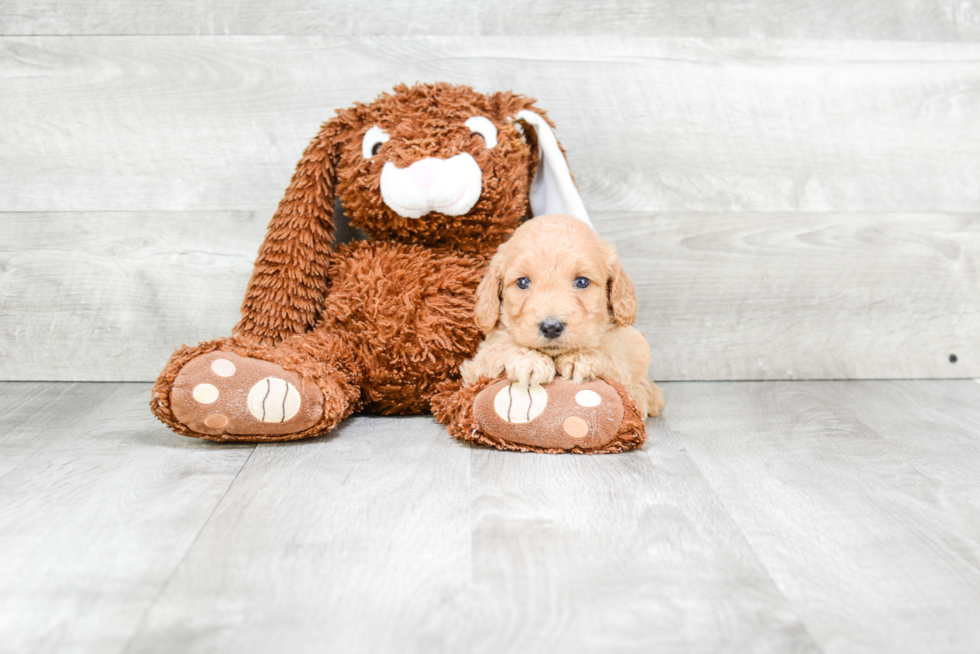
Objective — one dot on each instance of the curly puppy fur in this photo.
(378, 325)
(556, 273)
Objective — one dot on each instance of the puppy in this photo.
(557, 301)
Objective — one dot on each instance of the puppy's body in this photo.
(556, 301)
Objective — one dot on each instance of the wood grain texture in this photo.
(625, 553)
(207, 123)
(405, 553)
(945, 20)
(804, 296)
(839, 489)
(107, 296)
(778, 516)
(950, 457)
(358, 542)
(100, 503)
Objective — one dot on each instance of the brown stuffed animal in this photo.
(438, 176)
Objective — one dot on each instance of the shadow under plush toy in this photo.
(438, 176)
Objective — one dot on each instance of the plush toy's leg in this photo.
(595, 417)
(234, 390)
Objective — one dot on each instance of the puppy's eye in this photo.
(523, 283)
(373, 140)
(483, 127)
(582, 282)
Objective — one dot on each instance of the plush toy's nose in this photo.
(425, 171)
(448, 186)
(551, 328)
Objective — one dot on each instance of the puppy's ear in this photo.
(289, 280)
(553, 190)
(487, 311)
(622, 295)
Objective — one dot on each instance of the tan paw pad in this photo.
(223, 393)
(223, 367)
(562, 415)
(575, 427)
(216, 421)
(206, 393)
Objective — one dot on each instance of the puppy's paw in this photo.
(476, 368)
(656, 405)
(577, 367)
(530, 367)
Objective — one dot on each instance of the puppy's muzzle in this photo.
(447, 186)
(551, 328)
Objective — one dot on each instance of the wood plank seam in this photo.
(672, 436)
(204, 525)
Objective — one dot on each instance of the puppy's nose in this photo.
(551, 327)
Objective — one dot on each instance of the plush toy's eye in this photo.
(483, 127)
(582, 282)
(372, 142)
(523, 283)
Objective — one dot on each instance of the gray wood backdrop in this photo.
(794, 186)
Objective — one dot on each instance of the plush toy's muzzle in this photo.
(431, 185)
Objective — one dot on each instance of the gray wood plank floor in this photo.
(760, 516)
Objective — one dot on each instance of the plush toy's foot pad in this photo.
(561, 415)
(224, 393)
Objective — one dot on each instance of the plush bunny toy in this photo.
(438, 176)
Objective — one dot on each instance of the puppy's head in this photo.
(556, 287)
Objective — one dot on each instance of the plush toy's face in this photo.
(435, 165)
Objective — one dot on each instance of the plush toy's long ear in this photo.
(487, 311)
(622, 295)
(552, 189)
(289, 280)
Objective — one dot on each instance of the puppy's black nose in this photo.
(551, 327)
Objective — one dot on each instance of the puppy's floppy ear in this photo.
(487, 311)
(552, 188)
(289, 280)
(622, 294)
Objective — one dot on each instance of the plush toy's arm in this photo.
(289, 280)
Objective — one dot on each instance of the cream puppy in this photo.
(557, 301)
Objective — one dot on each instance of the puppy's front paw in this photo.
(577, 367)
(476, 368)
(530, 367)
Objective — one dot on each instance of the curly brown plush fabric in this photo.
(376, 325)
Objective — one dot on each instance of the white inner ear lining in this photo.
(552, 189)
(482, 126)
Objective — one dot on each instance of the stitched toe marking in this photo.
(519, 404)
(576, 427)
(274, 400)
(223, 367)
(216, 421)
(205, 393)
(588, 398)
